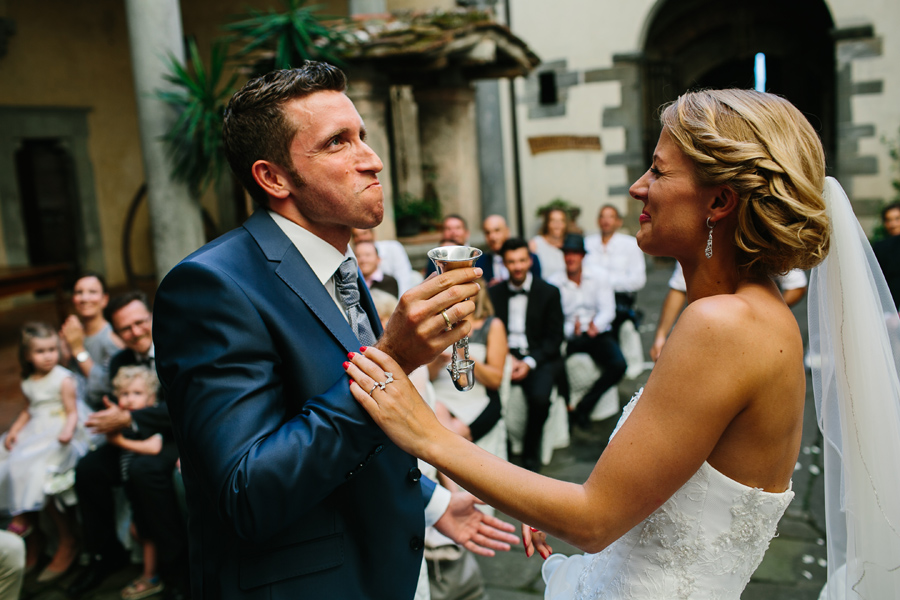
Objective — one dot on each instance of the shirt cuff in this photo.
(437, 506)
(532, 364)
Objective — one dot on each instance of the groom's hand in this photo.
(417, 332)
(472, 529)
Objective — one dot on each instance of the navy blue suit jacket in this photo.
(292, 490)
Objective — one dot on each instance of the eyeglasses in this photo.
(140, 324)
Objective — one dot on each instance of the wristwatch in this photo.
(82, 356)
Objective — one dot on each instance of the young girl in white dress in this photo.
(41, 448)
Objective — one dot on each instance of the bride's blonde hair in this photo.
(763, 148)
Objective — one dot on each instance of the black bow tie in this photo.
(522, 292)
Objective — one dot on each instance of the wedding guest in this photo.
(589, 307)
(12, 565)
(530, 309)
(369, 265)
(89, 338)
(148, 481)
(394, 259)
(617, 254)
(887, 251)
(496, 232)
(547, 245)
(455, 230)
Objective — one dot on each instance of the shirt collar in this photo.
(321, 256)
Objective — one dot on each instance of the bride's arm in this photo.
(693, 394)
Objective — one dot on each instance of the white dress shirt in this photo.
(500, 271)
(518, 308)
(591, 301)
(395, 262)
(620, 257)
(324, 260)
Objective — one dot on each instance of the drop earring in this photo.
(709, 241)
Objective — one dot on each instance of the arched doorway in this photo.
(708, 44)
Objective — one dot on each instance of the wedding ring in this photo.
(447, 320)
(374, 387)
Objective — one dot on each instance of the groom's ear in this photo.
(272, 179)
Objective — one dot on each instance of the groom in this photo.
(293, 492)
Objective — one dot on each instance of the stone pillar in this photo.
(154, 31)
(450, 149)
(370, 95)
(407, 149)
(491, 163)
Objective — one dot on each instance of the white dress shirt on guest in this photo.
(592, 301)
(518, 307)
(500, 271)
(395, 262)
(621, 258)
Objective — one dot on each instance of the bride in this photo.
(687, 495)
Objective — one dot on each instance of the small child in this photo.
(43, 444)
(136, 388)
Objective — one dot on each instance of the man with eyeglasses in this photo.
(147, 479)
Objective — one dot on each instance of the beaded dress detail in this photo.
(703, 543)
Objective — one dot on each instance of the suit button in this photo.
(416, 543)
(414, 474)
(379, 448)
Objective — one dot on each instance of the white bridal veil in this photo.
(853, 326)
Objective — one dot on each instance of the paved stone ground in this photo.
(792, 569)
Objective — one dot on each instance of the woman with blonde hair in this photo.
(547, 245)
(687, 495)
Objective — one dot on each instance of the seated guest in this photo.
(89, 339)
(589, 306)
(547, 246)
(135, 388)
(394, 259)
(496, 231)
(454, 231)
(474, 414)
(887, 251)
(148, 481)
(369, 265)
(12, 564)
(619, 256)
(530, 309)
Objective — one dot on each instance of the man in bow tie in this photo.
(292, 490)
(148, 482)
(532, 312)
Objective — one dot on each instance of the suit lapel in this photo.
(296, 273)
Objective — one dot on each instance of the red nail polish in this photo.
(350, 355)
(346, 364)
(351, 382)
(363, 349)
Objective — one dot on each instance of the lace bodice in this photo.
(703, 543)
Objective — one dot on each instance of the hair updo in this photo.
(763, 148)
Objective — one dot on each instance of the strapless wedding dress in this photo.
(703, 543)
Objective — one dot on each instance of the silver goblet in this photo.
(447, 258)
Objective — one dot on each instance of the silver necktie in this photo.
(345, 280)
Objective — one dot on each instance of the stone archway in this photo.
(709, 44)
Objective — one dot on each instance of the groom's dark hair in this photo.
(255, 126)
